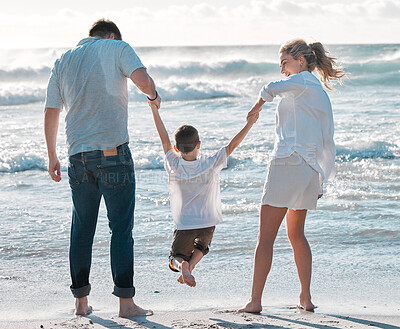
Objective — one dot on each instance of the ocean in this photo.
(354, 233)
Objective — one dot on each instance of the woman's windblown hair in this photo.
(318, 58)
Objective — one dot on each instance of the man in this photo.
(90, 82)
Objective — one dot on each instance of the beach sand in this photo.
(216, 318)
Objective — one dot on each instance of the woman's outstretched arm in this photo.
(256, 108)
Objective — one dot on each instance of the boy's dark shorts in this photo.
(185, 241)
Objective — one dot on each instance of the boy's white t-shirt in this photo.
(195, 190)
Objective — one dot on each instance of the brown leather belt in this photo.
(109, 153)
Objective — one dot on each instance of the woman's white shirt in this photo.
(304, 122)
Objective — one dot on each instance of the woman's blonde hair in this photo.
(317, 58)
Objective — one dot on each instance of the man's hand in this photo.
(54, 168)
(252, 119)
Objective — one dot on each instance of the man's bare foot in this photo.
(82, 307)
(187, 277)
(251, 307)
(180, 279)
(128, 309)
(306, 304)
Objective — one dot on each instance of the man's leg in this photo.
(86, 200)
(117, 184)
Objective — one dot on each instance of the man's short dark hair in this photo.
(186, 138)
(102, 28)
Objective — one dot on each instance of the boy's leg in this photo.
(201, 248)
(201, 245)
(196, 257)
(180, 254)
(183, 266)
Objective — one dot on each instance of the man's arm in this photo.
(162, 132)
(146, 85)
(51, 118)
(251, 119)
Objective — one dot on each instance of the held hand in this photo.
(54, 169)
(156, 102)
(153, 106)
(252, 112)
(252, 119)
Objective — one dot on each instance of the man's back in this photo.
(90, 81)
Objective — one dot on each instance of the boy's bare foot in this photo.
(251, 307)
(128, 309)
(306, 304)
(187, 277)
(82, 307)
(180, 279)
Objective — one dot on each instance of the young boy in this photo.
(194, 193)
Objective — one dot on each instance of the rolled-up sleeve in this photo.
(266, 94)
(292, 86)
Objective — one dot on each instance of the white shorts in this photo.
(291, 183)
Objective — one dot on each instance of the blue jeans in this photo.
(91, 176)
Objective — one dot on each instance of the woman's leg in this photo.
(270, 220)
(295, 220)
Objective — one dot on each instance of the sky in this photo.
(52, 23)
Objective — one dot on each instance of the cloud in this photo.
(255, 22)
(386, 9)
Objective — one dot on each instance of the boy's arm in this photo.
(251, 119)
(162, 132)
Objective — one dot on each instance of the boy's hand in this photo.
(253, 111)
(252, 118)
(156, 102)
(153, 106)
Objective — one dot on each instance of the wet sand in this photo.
(215, 319)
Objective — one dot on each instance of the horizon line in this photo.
(207, 45)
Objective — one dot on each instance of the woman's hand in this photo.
(257, 107)
(252, 119)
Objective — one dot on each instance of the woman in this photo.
(302, 159)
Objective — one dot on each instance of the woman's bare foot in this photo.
(187, 277)
(82, 307)
(251, 307)
(128, 309)
(306, 304)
